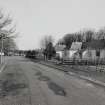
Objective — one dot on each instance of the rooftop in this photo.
(95, 44)
(76, 46)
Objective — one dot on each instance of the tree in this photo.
(47, 46)
(68, 39)
(49, 51)
(88, 35)
(101, 34)
(7, 33)
(9, 45)
(78, 36)
(46, 40)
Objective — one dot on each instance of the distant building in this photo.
(72, 53)
(94, 50)
(60, 50)
(75, 50)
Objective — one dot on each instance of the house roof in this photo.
(60, 47)
(95, 44)
(76, 46)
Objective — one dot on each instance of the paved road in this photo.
(26, 83)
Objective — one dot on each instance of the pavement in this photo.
(23, 82)
(3, 65)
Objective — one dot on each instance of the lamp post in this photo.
(1, 59)
(2, 47)
(3, 36)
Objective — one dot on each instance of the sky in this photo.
(35, 19)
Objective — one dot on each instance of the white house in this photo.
(59, 50)
(74, 52)
(94, 50)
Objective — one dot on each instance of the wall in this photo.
(91, 54)
(59, 53)
(102, 54)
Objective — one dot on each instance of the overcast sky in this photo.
(36, 18)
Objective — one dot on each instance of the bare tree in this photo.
(46, 40)
(87, 35)
(47, 46)
(60, 42)
(68, 39)
(100, 34)
(78, 36)
(7, 31)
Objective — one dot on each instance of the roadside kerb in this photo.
(88, 79)
(78, 75)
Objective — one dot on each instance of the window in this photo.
(97, 53)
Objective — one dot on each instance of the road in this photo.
(24, 82)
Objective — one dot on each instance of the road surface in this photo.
(24, 82)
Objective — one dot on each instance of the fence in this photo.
(84, 62)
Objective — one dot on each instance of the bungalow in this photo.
(59, 50)
(73, 52)
(94, 50)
